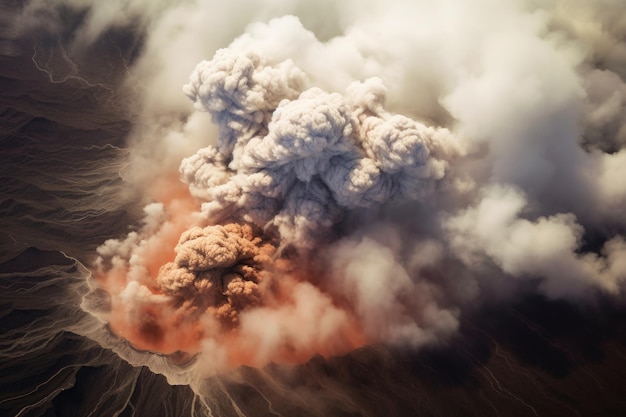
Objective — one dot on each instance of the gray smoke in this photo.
(353, 173)
(409, 158)
(296, 161)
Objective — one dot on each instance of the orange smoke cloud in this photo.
(176, 286)
(127, 271)
(181, 208)
(300, 322)
(218, 270)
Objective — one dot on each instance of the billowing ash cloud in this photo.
(217, 269)
(296, 160)
(291, 161)
(369, 187)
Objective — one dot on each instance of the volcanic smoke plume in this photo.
(291, 213)
(265, 195)
(291, 162)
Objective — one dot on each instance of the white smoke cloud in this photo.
(393, 305)
(492, 132)
(611, 185)
(606, 109)
(241, 93)
(545, 248)
(294, 162)
(307, 324)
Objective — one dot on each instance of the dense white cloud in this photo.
(489, 133)
(546, 248)
(296, 160)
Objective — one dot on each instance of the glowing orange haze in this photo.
(301, 320)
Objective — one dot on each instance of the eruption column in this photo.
(243, 281)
